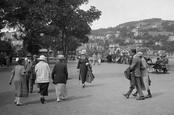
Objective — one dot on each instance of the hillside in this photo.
(154, 26)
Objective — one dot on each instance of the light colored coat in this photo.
(43, 72)
(145, 73)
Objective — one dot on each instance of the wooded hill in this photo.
(154, 33)
(153, 26)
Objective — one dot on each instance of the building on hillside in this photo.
(117, 33)
(171, 38)
(138, 42)
(158, 43)
(108, 36)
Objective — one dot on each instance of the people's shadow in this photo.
(93, 85)
(156, 94)
(70, 98)
(6, 98)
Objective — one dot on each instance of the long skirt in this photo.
(44, 88)
(146, 82)
(21, 88)
(61, 90)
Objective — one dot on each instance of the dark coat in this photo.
(83, 69)
(60, 73)
(136, 66)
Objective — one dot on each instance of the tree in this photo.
(61, 22)
(73, 22)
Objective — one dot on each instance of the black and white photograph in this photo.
(86, 57)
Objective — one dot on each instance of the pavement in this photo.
(104, 96)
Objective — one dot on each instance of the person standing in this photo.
(42, 71)
(99, 58)
(29, 75)
(19, 81)
(60, 76)
(94, 58)
(82, 68)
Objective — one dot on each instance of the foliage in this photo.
(61, 22)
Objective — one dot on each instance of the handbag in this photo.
(127, 73)
(89, 76)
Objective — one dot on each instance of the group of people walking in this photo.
(28, 71)
(138, 76)
(31, 70)
(96, 58)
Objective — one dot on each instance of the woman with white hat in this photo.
(42, 70)
(60, 76)
(82, 67)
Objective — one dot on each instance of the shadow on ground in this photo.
(54, 99)
(95, 85)
(6, 98)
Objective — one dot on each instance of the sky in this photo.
(115, 12)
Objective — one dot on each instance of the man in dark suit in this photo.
(60, 76)
(136, 67)
(29, 76)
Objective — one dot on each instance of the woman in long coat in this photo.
(145, 76)
(19, 80)
(82, 67)
(42, 71)
(60, 76)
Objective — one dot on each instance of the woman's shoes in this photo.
(42, 99)
(140, 98)
(126, 95)
(148, 96)
(58, 99)
(19, 104)
(83, 85)
(63, 98)
(135, 94)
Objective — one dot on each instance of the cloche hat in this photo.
(42, 57)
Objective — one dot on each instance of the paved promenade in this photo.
(102, 97)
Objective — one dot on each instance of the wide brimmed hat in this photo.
(83, 52)
(139, 54)
(61, 57)
(42, 58)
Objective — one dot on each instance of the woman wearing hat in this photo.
(19, 81)
(60, 76)
(82, 67)
(42, 71)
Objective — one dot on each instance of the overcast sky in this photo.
(115, 12)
